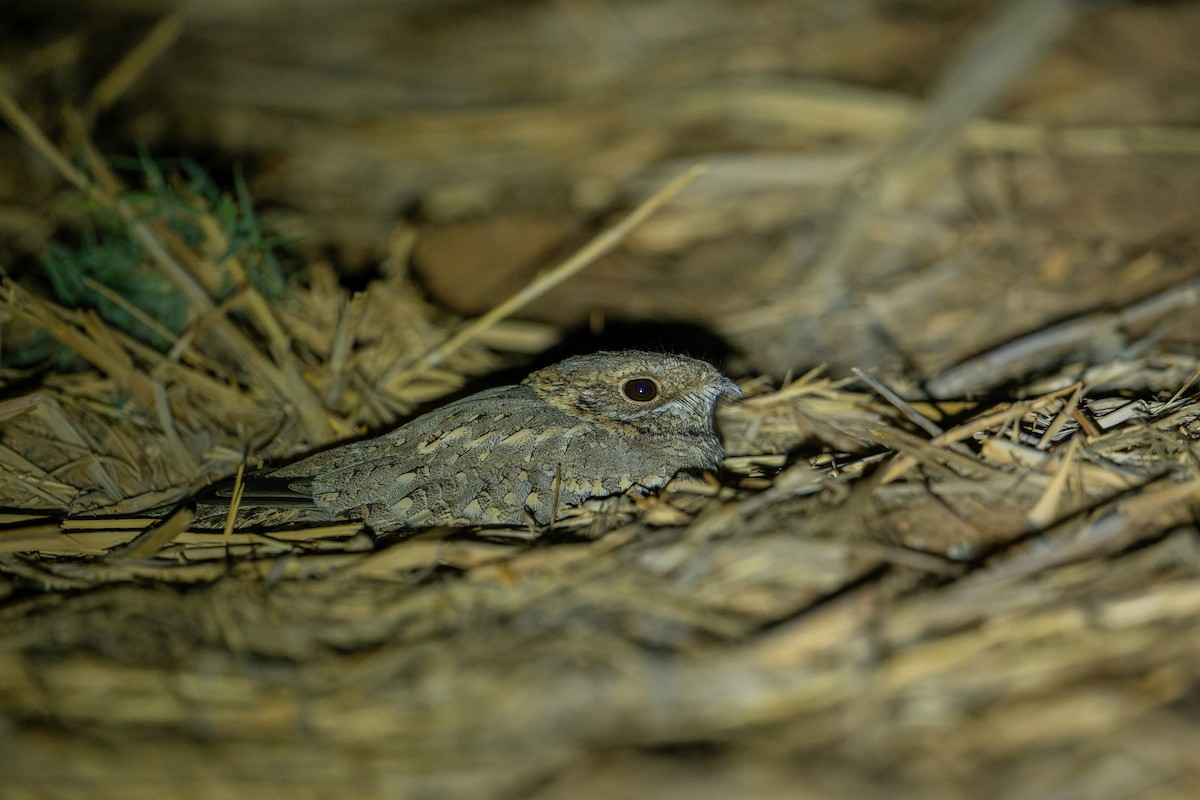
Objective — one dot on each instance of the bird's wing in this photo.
(345, 456)
(442, 455)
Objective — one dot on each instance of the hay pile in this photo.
(971, 567)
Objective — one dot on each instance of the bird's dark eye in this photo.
(641, 389)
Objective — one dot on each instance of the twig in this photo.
(28, 130)
(155, 538)
(133, 65)
(597, 247)
(899, 402)
(129, 308)
(235, 503)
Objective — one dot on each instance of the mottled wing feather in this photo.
(438, 462)
(503, 477)
(347, 455)
(478, 478)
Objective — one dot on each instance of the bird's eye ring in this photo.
(641, 390)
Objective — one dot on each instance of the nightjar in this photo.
(589, 426)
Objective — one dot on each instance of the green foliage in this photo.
(36, 350)
(164, 199)
(108, 256)
(107, 261)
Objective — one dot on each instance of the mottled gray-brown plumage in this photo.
(590, 426)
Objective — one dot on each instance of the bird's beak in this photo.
(725, 387)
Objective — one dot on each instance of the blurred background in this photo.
(891, 183)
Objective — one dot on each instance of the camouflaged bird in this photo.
(590, 426)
